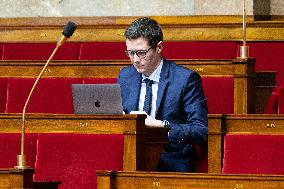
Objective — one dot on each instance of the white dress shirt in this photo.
(155, 76)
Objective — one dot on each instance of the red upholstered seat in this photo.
(10, 147)
(220, 94)
(268, 54)
(40, 51)
(74, 158)
(103, 51)
(3, 94)
(253, 154)
(269, 57)
(52, 95)
(172, 50)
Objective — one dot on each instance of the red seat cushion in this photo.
(74, 158)
(220, 94)
(40, 51)
(51, 95)
(253, 154)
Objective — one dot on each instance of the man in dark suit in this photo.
(171, 95)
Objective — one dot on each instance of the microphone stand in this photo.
(21, 159)
(244, 50)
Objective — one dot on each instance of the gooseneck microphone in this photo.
(68, 31)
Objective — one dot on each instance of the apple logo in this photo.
(98, 103)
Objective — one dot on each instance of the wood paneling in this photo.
(148, 180)
(176, 28)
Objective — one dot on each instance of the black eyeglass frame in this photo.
(139, 53)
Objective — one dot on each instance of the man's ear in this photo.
(160, 47)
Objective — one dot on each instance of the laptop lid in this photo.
(97, 99)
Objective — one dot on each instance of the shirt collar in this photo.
(155, 76)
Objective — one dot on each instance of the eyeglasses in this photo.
(139, 53)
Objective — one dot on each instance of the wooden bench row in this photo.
(251, 89)
(142, 145)
(219, 126)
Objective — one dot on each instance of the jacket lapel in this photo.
(134, 85)
(163, 82)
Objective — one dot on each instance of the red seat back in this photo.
(200, 49)
(52, 95)
(103, 51)
(3, 94)
(40, 51)
(220, 94)
(10, 147)
(74, 158)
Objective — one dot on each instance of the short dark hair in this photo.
(146, 28)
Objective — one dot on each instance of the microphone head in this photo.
(69, 29)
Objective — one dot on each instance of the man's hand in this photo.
(152, 122)
(149, 121)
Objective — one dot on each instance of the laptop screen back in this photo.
(97, 99)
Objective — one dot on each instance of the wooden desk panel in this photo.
(254, 124)
(149, 180)
(111, 68)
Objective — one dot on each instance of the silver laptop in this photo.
(97, 99)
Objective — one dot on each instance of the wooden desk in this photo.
(150, 180)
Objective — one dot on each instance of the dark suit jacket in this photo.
(181, 101)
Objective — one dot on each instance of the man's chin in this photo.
(140, 70)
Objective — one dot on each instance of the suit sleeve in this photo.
(194, 103)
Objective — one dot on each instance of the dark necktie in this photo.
(148, 96)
